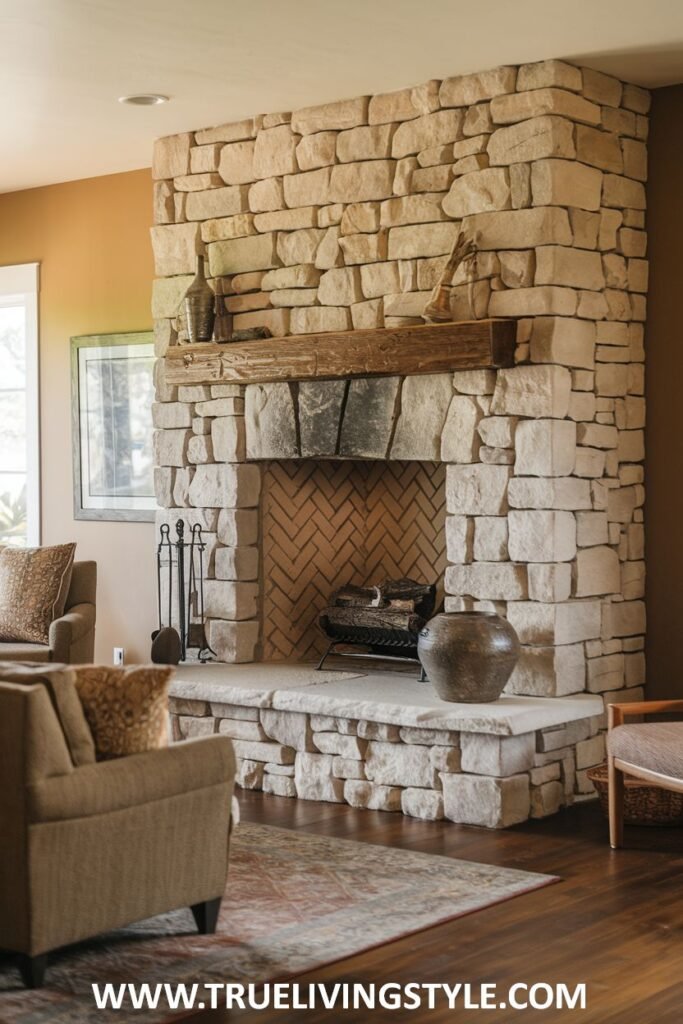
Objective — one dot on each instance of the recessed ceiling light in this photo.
(144, 99)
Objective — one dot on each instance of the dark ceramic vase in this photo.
(468, 656)
(199, 304)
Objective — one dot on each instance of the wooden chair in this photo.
(652, 752)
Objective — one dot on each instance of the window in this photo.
(19, 432)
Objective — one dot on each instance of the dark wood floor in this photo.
(615, 921)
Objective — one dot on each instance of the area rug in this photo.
(294, 901)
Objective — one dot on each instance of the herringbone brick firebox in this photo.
(326, 524)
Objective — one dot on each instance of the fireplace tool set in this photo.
(180, 564)
(380, 623)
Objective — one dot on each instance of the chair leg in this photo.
(32, 970)
(616, 805)
(206, 916)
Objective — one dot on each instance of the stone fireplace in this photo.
(518, 483)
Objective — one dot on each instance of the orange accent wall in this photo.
(91, 238)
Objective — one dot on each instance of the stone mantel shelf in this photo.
(383, 352)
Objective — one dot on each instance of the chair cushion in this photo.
(126, 708)
(60, 682)
(34, 583)
(24, 652)
(657, 746)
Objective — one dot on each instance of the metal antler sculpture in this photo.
(439, 306)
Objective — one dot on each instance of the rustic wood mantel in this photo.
(403, 351)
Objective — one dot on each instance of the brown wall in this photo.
(91, 238)
(664, 374)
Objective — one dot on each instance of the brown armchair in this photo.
(72, 637)
(651, 751)
(86, 846)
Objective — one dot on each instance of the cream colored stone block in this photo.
(635, 98)
(487, 581)
(517, 268)
(298, 247)
(329, 253)
(267, 195)
(231, 601)
(317, 150)
(426, 804)
(601, 88)
(171, 156)
(340, 287)
(520, 229)
(585, 226)
(367, 315)
(563, 341)
(477, 490)
(167, 294)
(464, 90)
(175, 248)
(549, 73)
(171, 414)
(270, 421)
(549, 671)
(236, 165)
(490, 539)
(498, 431)
(398, 764)
(576, 268)
(360, 218)
(405, 104)
(233, 132)
(170, 447)
(236, 564)
(459, 539)
(597, 571)
(425, 401)
(545, 448)
(312, 188)
(564, 182)
(549, 582)
(340, 115)
(483, 754)
(313, 319)
(240, 255)
(225, 486)
(521, 106)
(541, 535)
(364, 248)
(380, 279)
(303, 276)
(367, 142)
(229, 438)
(237, 526)
(537, 301)
(567, 622)
(421, 133)
(275, 152)
(599, 148)
(359, 182)
(216, 202)
(415, 209)
(490, 802)
(420, 240)
(287, 220)
(163, 205)
(288, 297)
(621, 192)
(477, 120)
(534, 391)
(403, 175)
(635, 159)
(479, 192)
(239, 226)
(591, 528)
(564, 493)
(534, 139)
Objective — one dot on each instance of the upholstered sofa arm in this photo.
(69, 629)
(132, 781)
(616, 713)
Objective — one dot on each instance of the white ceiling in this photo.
(64, 62)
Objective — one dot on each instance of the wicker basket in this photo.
(643, 804)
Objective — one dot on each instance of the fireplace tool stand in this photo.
(182, 563)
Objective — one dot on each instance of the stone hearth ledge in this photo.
(384, 697)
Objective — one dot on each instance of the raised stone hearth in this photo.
(383, 741)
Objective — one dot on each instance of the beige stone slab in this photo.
(247, 685)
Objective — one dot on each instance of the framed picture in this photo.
(112, 394)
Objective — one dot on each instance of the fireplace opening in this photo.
(328, 524)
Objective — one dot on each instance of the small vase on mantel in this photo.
(468, 657)
(199, 303)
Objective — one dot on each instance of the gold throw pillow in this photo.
(34, 584)
(126, 708)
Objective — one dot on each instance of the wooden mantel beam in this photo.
(383, 352)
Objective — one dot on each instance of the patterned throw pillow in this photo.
(34, 584)
(126, 708)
